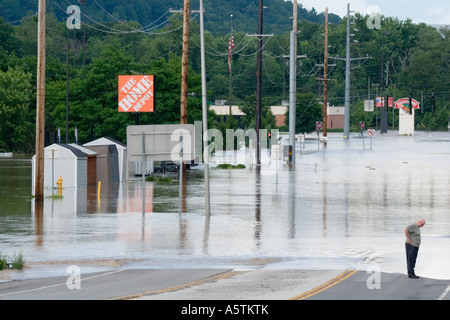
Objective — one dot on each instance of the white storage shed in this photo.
(65, 161)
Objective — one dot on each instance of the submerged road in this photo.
(226, 284)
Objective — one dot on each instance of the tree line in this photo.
(416, 58)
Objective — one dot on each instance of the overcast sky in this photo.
(428, 11)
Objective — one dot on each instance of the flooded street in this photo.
(341, 207)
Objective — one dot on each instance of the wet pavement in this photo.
(340, 207)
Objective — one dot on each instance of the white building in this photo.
(65, 161)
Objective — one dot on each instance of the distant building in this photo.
(335, 117)
(224, 110)
(279, 112)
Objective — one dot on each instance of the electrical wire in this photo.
(110, 30)
(10, 23)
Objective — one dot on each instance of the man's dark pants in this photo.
(411, 256)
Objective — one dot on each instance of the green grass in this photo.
(55, 197)
(230, 166)
(3, 261)
(158, 179)
(17, 263)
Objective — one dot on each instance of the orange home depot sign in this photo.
(136, 94)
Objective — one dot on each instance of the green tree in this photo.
(308, 111)
(95, 96)
(15, 96)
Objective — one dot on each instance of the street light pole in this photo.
(259, 82)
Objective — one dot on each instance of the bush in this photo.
(3, 261)
(17, 263)
(230, 166)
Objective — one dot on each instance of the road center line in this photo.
(325, 286)
(214, 278)
(442, 296)
(59, 284)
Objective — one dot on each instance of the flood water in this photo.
(343, 206)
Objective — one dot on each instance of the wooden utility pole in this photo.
(185, 63)
(325, 81)
(40, 107)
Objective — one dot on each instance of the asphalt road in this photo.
(388, 286)
(223, 284)
(117, 284)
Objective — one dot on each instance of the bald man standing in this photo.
(412, 233)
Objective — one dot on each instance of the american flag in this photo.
(230, 48)
(380, 102)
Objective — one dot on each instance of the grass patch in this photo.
(230, 166)
(158, 179)
(18, 262)
(3, 261)
(55, 197)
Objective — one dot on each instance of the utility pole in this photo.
(259, 81)
(204, 111)
(347, 80)
(184, 69)
(325, 82)
(230, 60)
(384, 106)
(40, 107)
(293, 80)
(259, 36)
(67, 87)
(184, 63)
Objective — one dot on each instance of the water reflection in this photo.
(342, 208)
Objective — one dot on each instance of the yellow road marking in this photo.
(181, 286)
(325, 286)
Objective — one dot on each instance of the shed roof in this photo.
(86, 151)
(105, 141)
(76, 152)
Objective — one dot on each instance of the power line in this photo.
(110, 30)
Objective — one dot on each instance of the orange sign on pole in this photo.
(136, 94)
